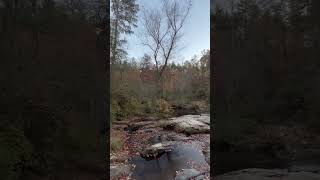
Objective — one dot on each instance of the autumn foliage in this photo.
(135, 89)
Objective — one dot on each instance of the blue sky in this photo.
(196, 32)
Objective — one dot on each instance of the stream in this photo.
(166, 165)
(166, 149)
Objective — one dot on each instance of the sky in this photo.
(196, 32)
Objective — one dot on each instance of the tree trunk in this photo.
(114, 46)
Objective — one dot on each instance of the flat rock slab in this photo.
(187, 174)
(189, 124)
(268, 174)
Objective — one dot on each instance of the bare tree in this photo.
(163, 30)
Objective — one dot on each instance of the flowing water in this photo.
(182, 155)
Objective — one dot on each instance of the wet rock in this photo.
(188, 124)
(156, 150)
(119, 170)
(187, 174)
(268, 174)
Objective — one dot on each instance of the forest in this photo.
(134, 87)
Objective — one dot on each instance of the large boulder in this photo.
(188, 124)
(156, 150)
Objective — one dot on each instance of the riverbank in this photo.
(172, 148)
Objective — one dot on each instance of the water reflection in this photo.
(165, 167)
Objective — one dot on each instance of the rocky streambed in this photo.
(174, 148)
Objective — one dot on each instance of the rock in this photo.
(119, 127)
(113, 158)
(156, 149)
(150, 118)
(156, 139)
(201, 177)
(178, 137)
(149, 130)
(205, 119)
(138, 125)
(188, 124)
(206, 154)
(187, 174)
(267, 174)
(120, 122)
(118, 159)
(119, 170)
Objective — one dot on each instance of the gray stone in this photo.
(189, 124)
(201, 177)
(186, 174)
(156, 149)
